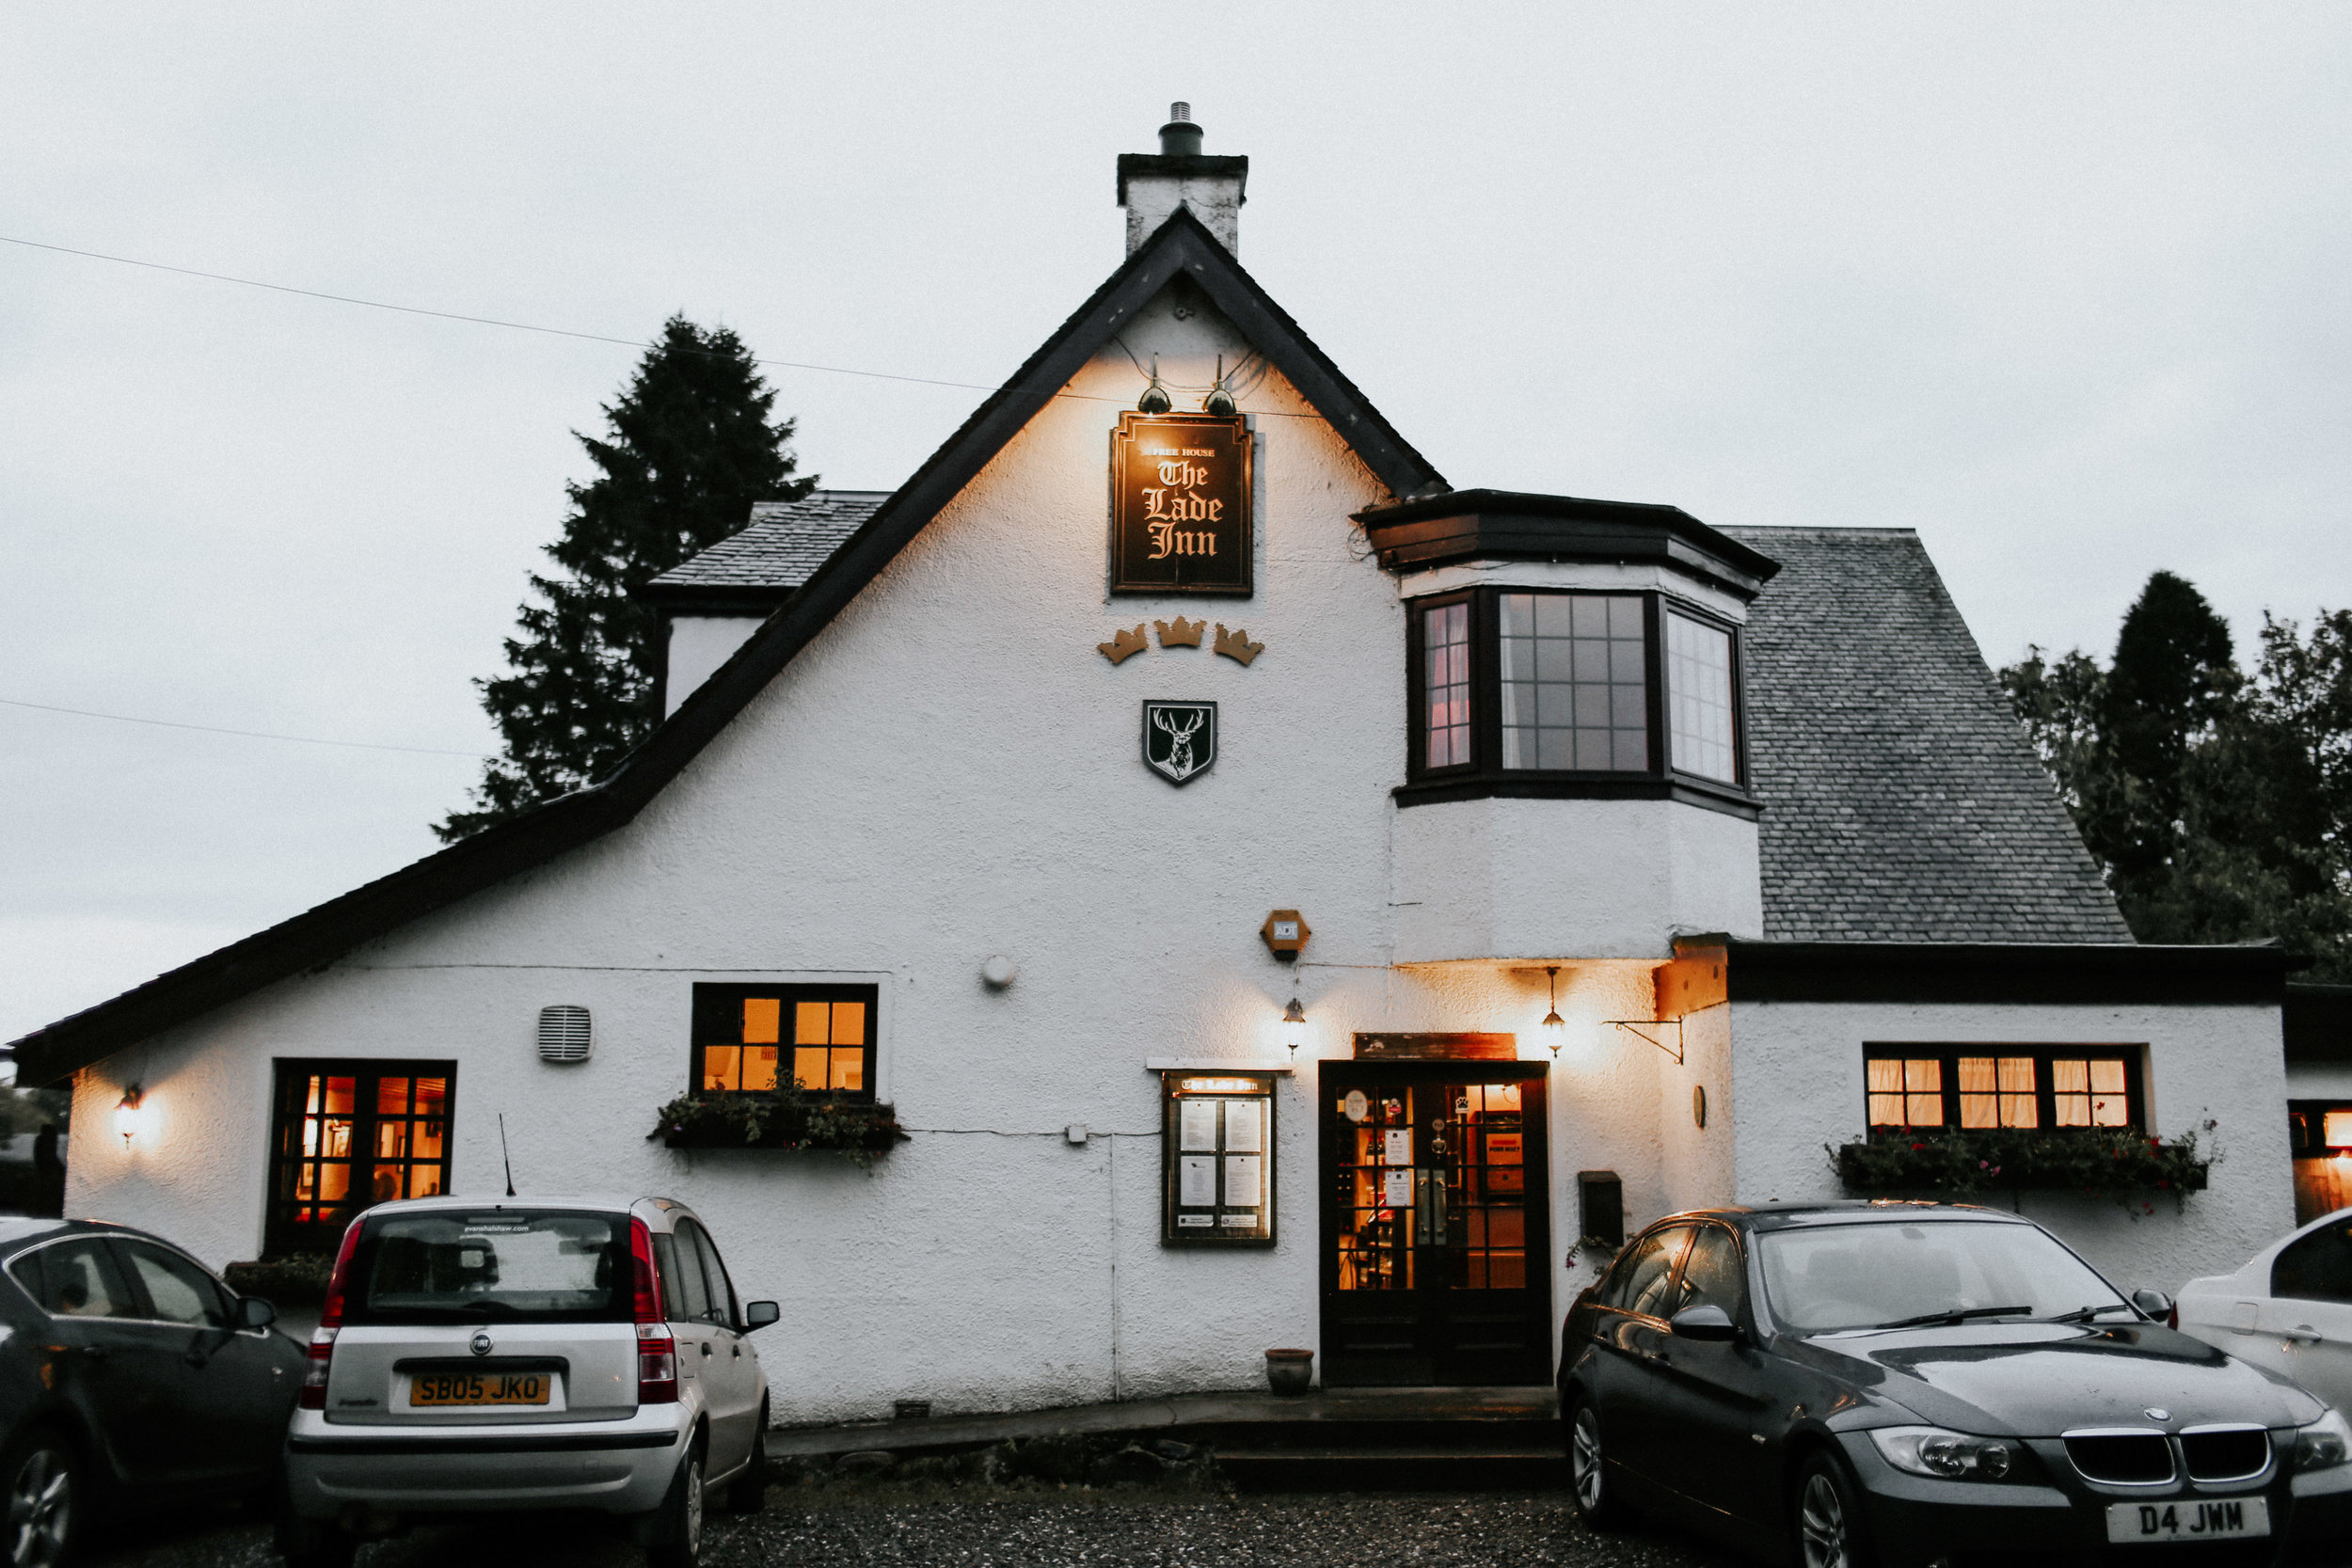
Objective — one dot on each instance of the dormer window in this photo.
(1529, 692)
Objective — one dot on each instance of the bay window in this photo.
(1525, 691)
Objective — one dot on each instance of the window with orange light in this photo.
(754, 1040)
(349, 1132)
(1984, 1088)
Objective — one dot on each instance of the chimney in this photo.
(1152, 185)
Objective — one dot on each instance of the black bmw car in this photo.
(1904, 1385)
(129, 1377)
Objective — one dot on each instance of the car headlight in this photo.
(1946, 1455)
(2324, 1443)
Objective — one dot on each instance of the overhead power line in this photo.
(454, 316)
(583, 337)
(249, 735)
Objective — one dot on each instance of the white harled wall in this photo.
(698, 645)
(949, 771)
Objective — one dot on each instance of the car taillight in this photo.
(657, 1351)
(330, 1325)
(2172, 1319)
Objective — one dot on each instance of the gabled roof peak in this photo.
(1180, 247)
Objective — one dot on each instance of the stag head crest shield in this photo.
(1179, 739)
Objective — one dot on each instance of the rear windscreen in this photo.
(507, 1265)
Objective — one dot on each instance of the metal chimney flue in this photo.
(1179, 137)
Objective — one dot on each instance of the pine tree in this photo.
(2172, 680)
(690, 446)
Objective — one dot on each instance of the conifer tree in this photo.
(690, 445)
(2218, 805)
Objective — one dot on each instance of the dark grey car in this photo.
(130, 1376)
(1917, 1383)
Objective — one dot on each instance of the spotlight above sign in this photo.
(1180, 505)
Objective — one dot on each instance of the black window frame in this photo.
(716, 1000)
(1484, 775)
(2135, 1083)
(282, 1234)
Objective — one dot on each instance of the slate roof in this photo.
(782, 548)
(1901, 803)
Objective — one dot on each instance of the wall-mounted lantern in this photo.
(1155, 399)
(130, 1114)
(1293, 1027)
(1555, 1027)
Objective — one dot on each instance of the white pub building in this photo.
(1227, 888)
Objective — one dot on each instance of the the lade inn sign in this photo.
(1180, 507)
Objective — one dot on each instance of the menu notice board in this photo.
(1218, 1182)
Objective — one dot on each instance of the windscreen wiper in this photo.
(2084, 1314)
(1957, 1314)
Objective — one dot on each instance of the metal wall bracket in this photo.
(1635, 1026)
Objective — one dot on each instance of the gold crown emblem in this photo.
(1180, 633)
(1123, 645)
(1236, 645)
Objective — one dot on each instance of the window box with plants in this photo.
(2119, 1162)
(787, 1118)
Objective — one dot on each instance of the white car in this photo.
(2288, 1309)
(480, 1355)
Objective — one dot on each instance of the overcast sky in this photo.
(2062, 286)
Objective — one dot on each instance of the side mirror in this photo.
(1704, 1324)
(2155, 1304)
(759, 1314)
(253, 1312)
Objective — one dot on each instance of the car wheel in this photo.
(748, 1492)
(1590, 1490)
(1828, 1510)
(678, 1523)
(43, 1499)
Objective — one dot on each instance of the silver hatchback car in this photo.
(483, 1355)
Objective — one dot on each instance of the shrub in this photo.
(785, 1119)
(2107, 1161)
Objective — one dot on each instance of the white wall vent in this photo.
(565, 1033)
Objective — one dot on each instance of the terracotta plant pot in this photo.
(1290, 1372)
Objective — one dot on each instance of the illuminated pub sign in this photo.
(1180, 504)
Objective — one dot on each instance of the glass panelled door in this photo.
(349, 1134)
(1436, 1224)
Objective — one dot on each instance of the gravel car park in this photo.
(890, 1526)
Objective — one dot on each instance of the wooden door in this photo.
(1436, 1223)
